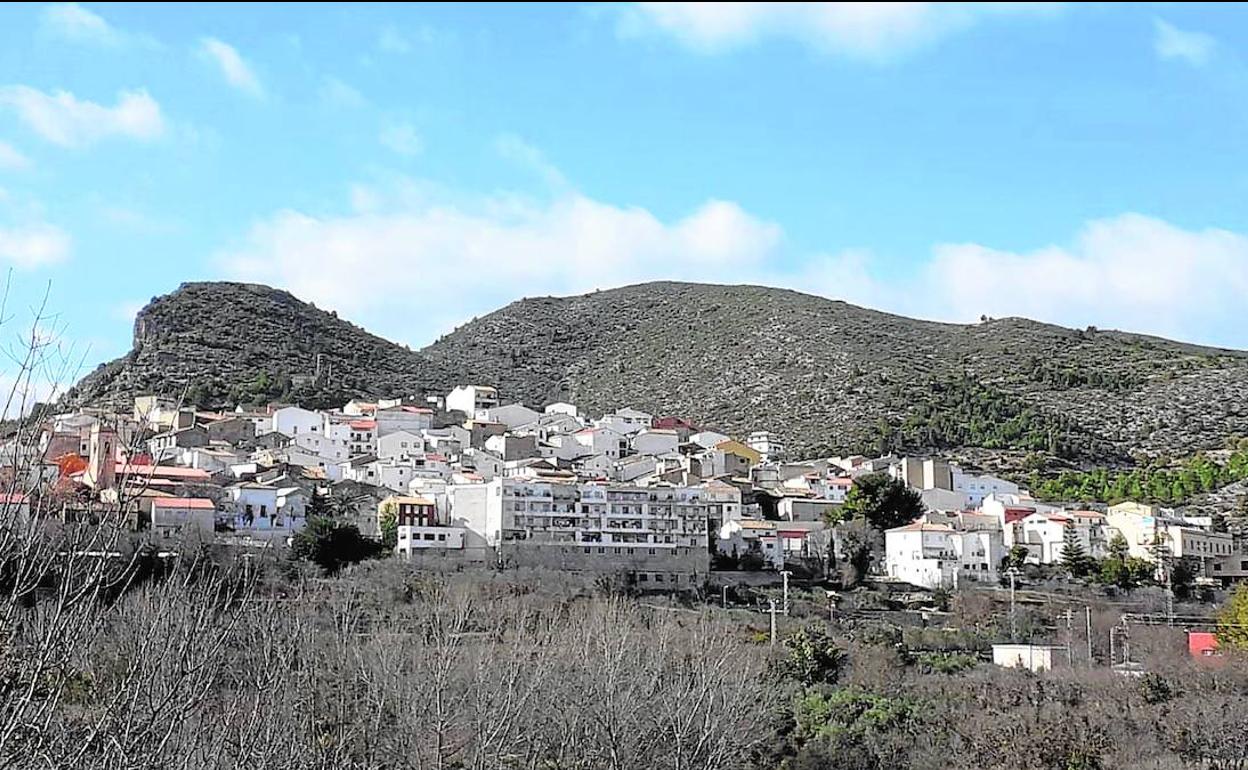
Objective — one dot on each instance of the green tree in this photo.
(331, 544)
(882, 501)
(859, 545)
(1075, 559)
(1118, 549)
(389, 531)
(813, 657)
(1016, 558)
(318, 505)
(1232, 630)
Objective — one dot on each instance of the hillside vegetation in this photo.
(827, 376)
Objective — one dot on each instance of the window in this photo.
(652, 552)
(442, 537)
(658, 578)
(264, 510)
(428, 535)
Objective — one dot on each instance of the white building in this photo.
(412, 419)
(649, 531)
(1147, 528)
(178, 518)
(938, 556)
(400, 445)
(1033, 657)
(655, 441)
(511, 415)
(471, 399)
(561, 407)
(767, 444)
(976, 488)
(602, 440)
(626, 421)
(293, 420)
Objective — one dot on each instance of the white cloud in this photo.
(73, 22)
(33, 246)
(462, 259)
(64, 119)
(337, 93)
(1130, 272)
(1170, 42)
(11, 159)
(402, 138)
(233, 68)
(871, 31)
(520, 152)
(390, 40)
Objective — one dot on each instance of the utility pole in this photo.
(784, 573)
(1087, 622)
(723, 596)
(1012, 572)
(1070, 635)
(772, 604)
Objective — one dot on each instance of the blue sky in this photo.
(413, 167)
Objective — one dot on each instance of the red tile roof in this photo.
(363, 424)
(198, 503)
(162, 471)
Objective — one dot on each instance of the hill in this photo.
(225, 343)
(825, 375)
(828, 375)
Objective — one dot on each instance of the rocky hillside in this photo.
(825, 375)
(221, 343)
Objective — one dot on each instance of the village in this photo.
(466, 481)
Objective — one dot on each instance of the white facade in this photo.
(652, 441)
(561, 407)
(766, 443)
(938, 556)
(179, 518)
(293, 420)
(976, 488)
(402, 418)
(602, 440)
(511, 415)
(626, 421)
(471, 399)
(412, 539)
(708, 439)
(1033, 657)
(400, 445)
(606, 516)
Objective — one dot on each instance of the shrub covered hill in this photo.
(825, 375)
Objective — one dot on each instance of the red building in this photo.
(1202, 644)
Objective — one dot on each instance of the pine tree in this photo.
(1074, 558)
(318, 506)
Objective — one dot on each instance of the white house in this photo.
(511, 415)
(939, 556)
(767, 444)
(976, 488)
(471, 399)
(264, 511)
(400, 445)
(293, 420)
(412, 419)
(708, 439)
(1044, 535)
(602, 440)
(626, 421)
(176, 518)
(742, 537)
(561, 407)
(654, 441)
